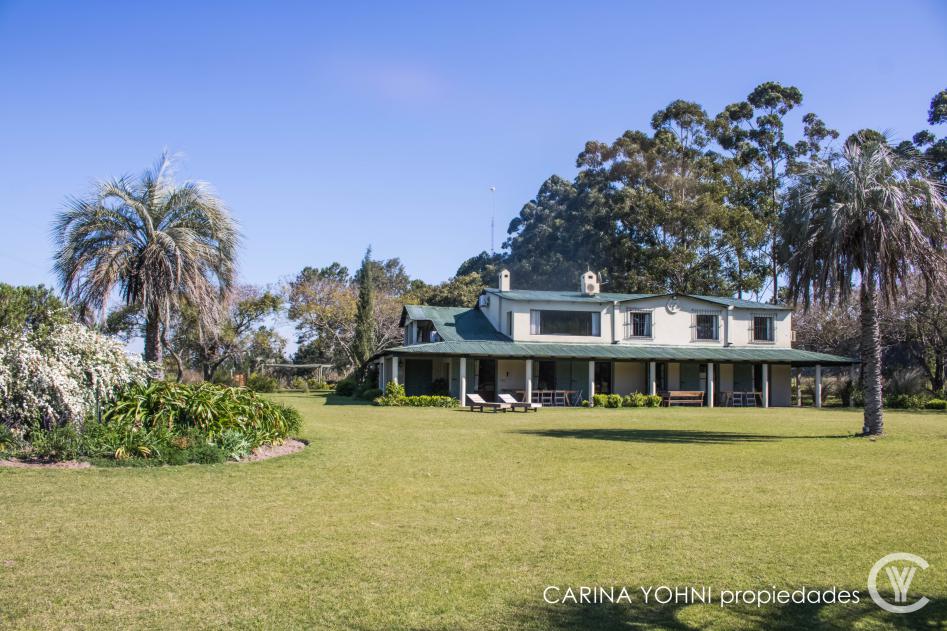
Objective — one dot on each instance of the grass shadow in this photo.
(671, 616)
(664, 435)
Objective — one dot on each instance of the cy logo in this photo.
(900, 577)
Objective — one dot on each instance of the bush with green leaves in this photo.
(634, 400)
(906, 401)
(258, 382)
(600, 400)
(299, 383)
(936, 404)
(317, 384)
(346, 387)
(369, 394)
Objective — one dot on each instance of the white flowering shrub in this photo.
(55, 380)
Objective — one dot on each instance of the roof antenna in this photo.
(493, 214)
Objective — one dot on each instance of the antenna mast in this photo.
(493, 214)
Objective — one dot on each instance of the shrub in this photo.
(600, 400)
(222, 377)
(299, 383)
(422, 401)
(440, 387)
(613, 401)
(906, 401)
(346, 387)
(653, 400)
(585, 403)
(936, 404)
(55, 380)
(259, 382)
(148, 419)
(370, 394)
(57, 443)
(634, 400)
(317, 384)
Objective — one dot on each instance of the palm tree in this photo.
(157, 242)
(871, 216)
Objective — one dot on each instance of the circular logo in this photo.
(672, 305)
(900, 577)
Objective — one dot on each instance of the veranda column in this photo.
(652, 378)
(529, 381)
(799, 387)
(463, 381)
(818, 385)
(591, 381)
(765, 385)
(381, 374)
(394, 369)
(851, 390)
(710, 385)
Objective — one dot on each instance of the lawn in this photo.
(442, 519)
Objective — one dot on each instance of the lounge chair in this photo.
(477, 403)
(526, 406)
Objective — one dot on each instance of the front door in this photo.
(418, 376)
(487, 379)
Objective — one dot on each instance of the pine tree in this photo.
(364, 316)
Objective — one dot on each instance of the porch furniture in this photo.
(558, 398)
(477, 403)
(682, 397)
(742, 399)
(526, 406)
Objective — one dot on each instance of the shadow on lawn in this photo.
(663, 435)
(638, 615)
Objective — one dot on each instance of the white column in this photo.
(591, 381)
(394, 369)
(765, 385)
(652, 378)
(381, 374)
(710, 385)
(616, 311)
(463, 381)
(799, 387)
(529, 381)
(818, 385)
(851, 380)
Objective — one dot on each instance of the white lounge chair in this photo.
(526, 406)
(477, 403)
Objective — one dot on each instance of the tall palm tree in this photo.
(871, 216)
(157, 242)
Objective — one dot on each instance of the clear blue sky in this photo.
(326, 128)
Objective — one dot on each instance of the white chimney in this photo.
(504, 283)
(588, 283)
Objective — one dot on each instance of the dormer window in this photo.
(554, 322)
(763, 330)
(637, 324)
(706, 327)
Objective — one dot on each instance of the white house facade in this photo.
(560, 347)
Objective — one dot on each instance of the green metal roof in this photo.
(574, 296)
(620, 352)
(455, 323)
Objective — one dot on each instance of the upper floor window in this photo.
(638, 324)
(553, 322)
(706, 326)
(509, 323)
(763, 329)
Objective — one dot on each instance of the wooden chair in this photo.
(526, 406)
(477, 403)
(559, 398)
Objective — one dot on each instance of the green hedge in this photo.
(634, 400)
(395, 397)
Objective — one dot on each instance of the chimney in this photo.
(588, 283)
(504, 283)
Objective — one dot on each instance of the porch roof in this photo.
(620, 352)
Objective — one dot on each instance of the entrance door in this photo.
(418, 376)
(487, 379)
(603, 377)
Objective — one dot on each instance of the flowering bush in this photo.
(54, 380)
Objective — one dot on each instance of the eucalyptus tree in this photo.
(754, 131)
(868, 216)
(156, 242)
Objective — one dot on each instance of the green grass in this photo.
(442, 519)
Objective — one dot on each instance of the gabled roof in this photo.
(574, 296)
(620, 352)
(455, 323)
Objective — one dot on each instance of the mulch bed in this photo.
(289, 446)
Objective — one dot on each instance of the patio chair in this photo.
(526, 406)
(559, 399)
(477, 403)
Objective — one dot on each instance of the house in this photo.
(562, 347)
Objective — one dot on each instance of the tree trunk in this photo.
(871, 357)
(153, 337)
